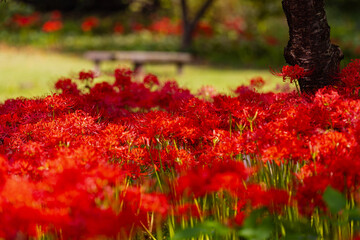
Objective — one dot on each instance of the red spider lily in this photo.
(118, 28)
(244, 91)
(187, 211)
(350, 75)
(151, 79)
(204, 29)
(52, 26)
(240, 214)
(67, 86)
(161, 26)
(25, 21)
(122, 77)
(257, 82)
(309, 195)
(165, 26)
(137, 27)
(89, 24)
(273, 199)
(291, 72)
(228, 176)
(55, 15)
(237, 24)
(271, 40)
(87, 76)
(154, 202)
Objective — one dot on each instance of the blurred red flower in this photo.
(272, 41)
(89, 75)
(55, 15)
(166, 26)
(122, 77)
(89, 23)
(204, 29)
(151, 79)
(52, 26)
(236, 24)
(118, 28)
(25, 21)
(257, 82)
(67, 86)
(137, 27)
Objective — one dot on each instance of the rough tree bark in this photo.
(189, 25)
(309, 45)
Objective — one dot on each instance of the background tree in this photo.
(190, 22)
(309, 45)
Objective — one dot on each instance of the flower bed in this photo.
(150, 160)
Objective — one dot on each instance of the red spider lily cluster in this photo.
(167, 27)
(53, 22)
(127, 158)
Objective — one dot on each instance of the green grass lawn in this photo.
(30, 72)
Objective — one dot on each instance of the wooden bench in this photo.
(139, 58)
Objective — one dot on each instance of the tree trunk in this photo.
(189, 25)
(187, 38)
(309, 45)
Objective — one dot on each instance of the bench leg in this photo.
(179, 68)
(97, 67)
(138, 68)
